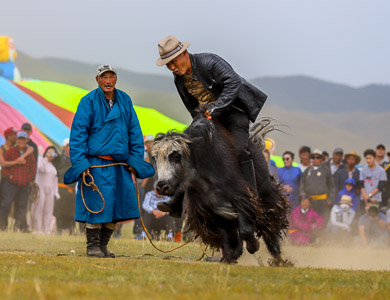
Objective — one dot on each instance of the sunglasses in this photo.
(316, 157)
(286, 158)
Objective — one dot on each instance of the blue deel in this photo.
(99, 131)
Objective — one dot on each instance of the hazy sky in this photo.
(345, 41)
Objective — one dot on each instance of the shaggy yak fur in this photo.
(201, 166)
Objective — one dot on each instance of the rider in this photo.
(207, 79)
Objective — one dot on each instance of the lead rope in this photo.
(95, 188)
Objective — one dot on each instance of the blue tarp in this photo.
(32, 110)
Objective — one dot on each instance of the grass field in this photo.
(45, 267)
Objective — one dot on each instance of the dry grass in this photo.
(30, 268)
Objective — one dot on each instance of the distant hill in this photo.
(308, 94)
(318, 113)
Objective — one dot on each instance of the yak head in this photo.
(171, 153)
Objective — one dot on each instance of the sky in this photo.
(342, 41)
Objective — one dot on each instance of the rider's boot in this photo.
(248, 170)
(174, 206)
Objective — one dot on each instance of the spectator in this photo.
(156, 220)
(325, 156)
(341, 218)
(373, 227)
(317, 185)
(289, 177)
(386, 192)
(304, 155)
(47, 180)
(336, 162)
(64, 207)
(27, 128)
(305, 224)
(10, 141)
(16, 185)
(349, 190)
(380, 158)
(273, 170)
(373, 180)
(350, 171)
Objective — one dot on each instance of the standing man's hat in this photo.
(103, 69)
(353, 153)
(27, 126)
(338, 150)
(169, 48)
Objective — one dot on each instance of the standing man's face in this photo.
(180, 65)
(107, 82)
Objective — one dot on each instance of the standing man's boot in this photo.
(105, 235)
(93, 242)
(248, 170)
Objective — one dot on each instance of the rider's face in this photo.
(180, 65)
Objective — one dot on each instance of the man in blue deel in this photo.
(106, 144)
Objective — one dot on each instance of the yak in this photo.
(201, 166)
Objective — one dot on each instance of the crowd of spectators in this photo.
(339, 199)
(32, 192)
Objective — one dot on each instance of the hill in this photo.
(302, 93)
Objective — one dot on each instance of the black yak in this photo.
(201, 167)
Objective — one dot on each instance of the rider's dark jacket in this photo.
(219, 78)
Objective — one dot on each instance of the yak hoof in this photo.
(252, 245)
(280, 262)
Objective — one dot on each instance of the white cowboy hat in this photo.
(169, 48)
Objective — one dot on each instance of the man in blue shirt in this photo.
(289, 177)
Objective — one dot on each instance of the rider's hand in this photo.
(207, 114)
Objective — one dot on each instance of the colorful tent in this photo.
(33, 111)
(10, 117)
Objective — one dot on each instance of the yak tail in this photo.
(261, 128)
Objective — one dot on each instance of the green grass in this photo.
(41, 267)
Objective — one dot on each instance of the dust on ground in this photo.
(330, 257)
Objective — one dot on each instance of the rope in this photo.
(95, 188)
